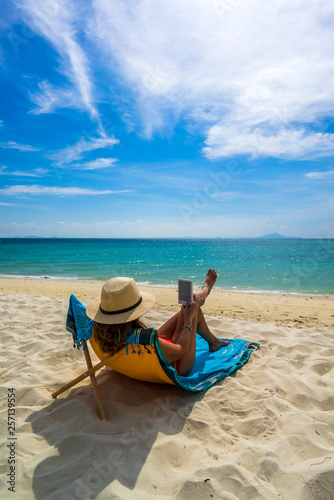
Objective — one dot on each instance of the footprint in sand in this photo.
(322, 367)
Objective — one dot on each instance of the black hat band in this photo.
(120, 311)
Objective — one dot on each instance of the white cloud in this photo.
(3, 204)
(19, 225)
(77, 150)
(127, 222)
(37, 172)
(320, 175)
(15, 145)
(96, 164)
(49, 98)
(225, 195)
(56, 21)
(100, 224)
(248, 68)
(25, 206)
(20, 190)
(226, 141)
(252, 77)
(67, 229)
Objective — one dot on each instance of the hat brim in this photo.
(93, 311)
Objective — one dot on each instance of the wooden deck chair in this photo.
(146, 365)
(91, 370)
(143, 359)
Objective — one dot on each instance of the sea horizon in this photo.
(280, 237)
(297, 266)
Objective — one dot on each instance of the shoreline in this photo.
(282, 309)
(66, 279)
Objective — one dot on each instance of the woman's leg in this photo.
(172, 328)
(167, 330)
(188, 359)
(204, 332)
(210, 280)
(202, 327)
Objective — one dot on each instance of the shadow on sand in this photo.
(90, 454)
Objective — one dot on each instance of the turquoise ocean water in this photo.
(302, 266)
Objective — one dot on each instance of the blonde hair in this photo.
(111, 338)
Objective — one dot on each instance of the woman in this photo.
(121, 305)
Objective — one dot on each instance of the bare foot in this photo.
(210, 280)
(218, 344)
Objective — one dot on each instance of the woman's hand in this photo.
(189, 311)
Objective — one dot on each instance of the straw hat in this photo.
(120, 302)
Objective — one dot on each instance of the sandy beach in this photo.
(286, 310)
(265, 432)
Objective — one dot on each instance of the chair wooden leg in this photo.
(88, 373)
(95, 386)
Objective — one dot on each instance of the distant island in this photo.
(276, 236)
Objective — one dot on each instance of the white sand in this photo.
(264, 433)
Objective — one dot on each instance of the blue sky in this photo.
(200, 118)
